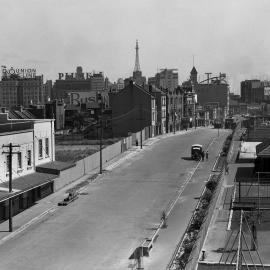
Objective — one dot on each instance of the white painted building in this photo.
(35, 141)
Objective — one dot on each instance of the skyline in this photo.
(58, 36)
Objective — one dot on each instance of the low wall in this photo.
(217, 266)
(196, 252)
(137, 137)
(90, 163)
(68, 176)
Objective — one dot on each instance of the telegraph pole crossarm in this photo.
(10, 153)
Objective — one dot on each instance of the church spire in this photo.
(137, 63)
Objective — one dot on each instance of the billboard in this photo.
(77, 98)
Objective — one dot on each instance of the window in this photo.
(29, 158)
(153, 104)
(40, 154)
(19, 155)
(153, 116)
(163, 101)
(163, 113)
(47, 146)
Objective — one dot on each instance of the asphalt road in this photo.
(101, 229)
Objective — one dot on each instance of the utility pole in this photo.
(100, 133)
(140, 119)
(239, 248)
(174, 112)
(10, 153)
(141, 123)
(139, 258)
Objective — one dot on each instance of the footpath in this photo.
(220, 225)
(48, 205)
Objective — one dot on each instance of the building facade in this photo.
(35, 141)
(189, 112)
(33, 146)
(212, 94)
(47, 91)
(86, 84)
(252, 91)
(16, 91)
(160, 99)
(167, 81)
(133, 108)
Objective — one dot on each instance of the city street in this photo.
(111, 218)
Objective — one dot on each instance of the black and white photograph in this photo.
(134, 135)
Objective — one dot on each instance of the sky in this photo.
(55, 36)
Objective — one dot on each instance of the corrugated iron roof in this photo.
(263, 149)
(25, 183)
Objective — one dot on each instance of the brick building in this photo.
(16, 91)
(133, 108)
(252, 91)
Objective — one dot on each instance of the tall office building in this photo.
(165, 79)
(252, 91)
(97, 82)
(47, 91)
(17, 91)
(79, 83)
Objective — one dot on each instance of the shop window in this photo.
(29, 158)
(47, 146)
(40, 148)
(19, 156)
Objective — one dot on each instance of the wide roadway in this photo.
(101, 229)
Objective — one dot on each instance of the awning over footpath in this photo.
(248, 175)
(248, 150)
(54, 167)
(25, 183)
(263, 150)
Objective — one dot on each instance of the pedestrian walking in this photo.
(227, 169)
(202, 155)
(206, 155)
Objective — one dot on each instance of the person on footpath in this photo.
(206, 155)
(227, 169)
(202, 155)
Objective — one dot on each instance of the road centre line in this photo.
(180, 191)
(182, 188)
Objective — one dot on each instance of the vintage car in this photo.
(196, 151)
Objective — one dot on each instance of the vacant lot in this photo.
(72, 149)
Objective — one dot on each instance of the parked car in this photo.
(196, 151)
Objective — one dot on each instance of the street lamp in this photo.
(100, 132)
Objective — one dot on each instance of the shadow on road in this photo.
(187, 158)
